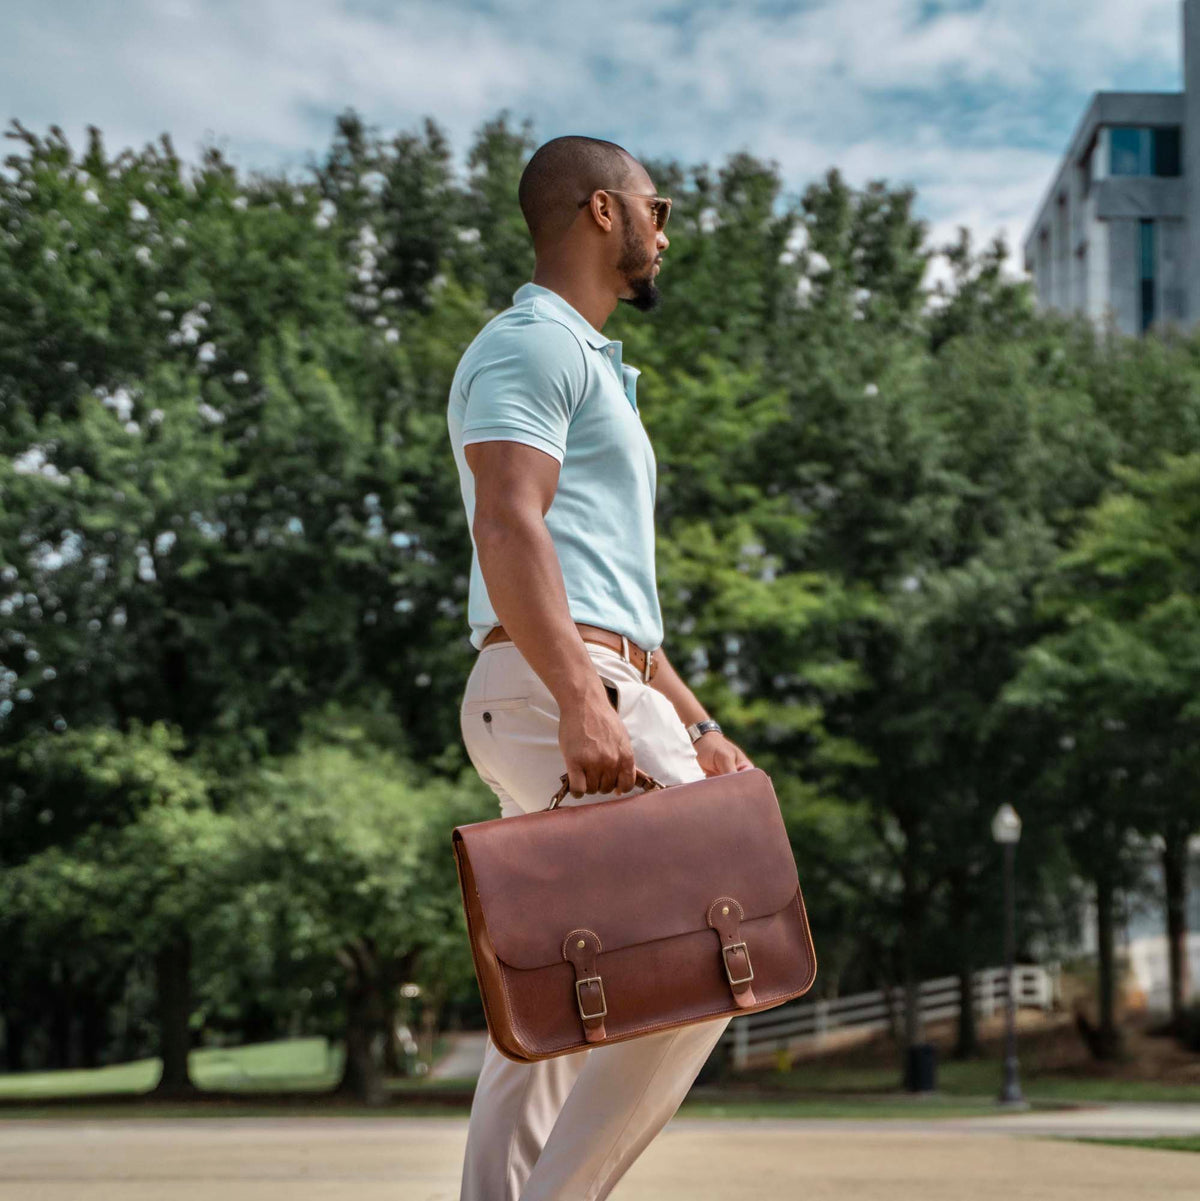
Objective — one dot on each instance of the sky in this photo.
(973, 102)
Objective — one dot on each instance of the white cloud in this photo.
(973, 106)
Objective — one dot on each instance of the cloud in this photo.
(972, 102)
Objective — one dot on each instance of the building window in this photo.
(1147, 272)
(1126, 144)
(1135, 150)
(1166, 152)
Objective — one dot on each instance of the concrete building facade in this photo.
(1117, 237)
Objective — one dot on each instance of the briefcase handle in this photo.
(647, 782)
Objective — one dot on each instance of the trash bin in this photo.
(920, 1070)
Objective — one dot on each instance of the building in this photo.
(1118, 234)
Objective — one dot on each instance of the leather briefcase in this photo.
(597, 923)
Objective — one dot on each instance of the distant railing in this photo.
(807, 1024)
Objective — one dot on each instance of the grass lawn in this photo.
(1187, 1143)
(869, 1109)
(973, 1078)
(298, 1064)
(854, 1087)
(305, 1065)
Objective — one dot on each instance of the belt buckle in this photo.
(579, 997)
(729, 975)
(646, 662)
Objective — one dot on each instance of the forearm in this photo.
(667, 681)
(525, 585)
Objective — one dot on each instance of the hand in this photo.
(595, 746)
(718, 755)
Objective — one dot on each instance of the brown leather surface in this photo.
(646, 876)
(599, 635)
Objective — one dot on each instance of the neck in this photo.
(587, 297)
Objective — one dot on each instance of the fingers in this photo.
(627, 773)
(618, 777)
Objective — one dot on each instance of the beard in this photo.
(636, 265)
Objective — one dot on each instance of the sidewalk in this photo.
(1094, 1120)
(464, 1060)
(419, 1159)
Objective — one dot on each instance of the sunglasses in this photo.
(660, 206)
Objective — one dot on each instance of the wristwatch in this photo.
(699, 728)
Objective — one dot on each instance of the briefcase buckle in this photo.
(725, 960)
(579, 997)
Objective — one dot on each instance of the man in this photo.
(558, 479)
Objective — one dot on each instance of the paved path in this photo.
(464, 1060)
(418, 1159)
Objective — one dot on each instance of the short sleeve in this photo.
(527, 389)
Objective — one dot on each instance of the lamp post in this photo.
(1006, 830)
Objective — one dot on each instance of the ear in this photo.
(602, 210)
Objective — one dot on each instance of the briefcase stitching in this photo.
(741, 911)
(580, 930)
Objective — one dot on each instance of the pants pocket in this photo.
(470, 708)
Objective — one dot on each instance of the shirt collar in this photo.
(589, 333)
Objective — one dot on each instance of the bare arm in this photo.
(514, 487)
(668, 682)
(715, 752)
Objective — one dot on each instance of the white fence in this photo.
(806, 1024)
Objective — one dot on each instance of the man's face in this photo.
(642, 246)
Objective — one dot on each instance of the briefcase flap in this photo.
(631, 869)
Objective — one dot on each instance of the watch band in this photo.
(699, 728)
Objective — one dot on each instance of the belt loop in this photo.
(646, 667)
(625, 648)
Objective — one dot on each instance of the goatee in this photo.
(645, 294)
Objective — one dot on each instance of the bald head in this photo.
(562, 173)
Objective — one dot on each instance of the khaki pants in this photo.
(568, 1128)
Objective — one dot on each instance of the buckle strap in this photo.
(580, 948)
(725, 915)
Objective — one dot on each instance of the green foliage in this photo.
(1119, 671)
(910, 541)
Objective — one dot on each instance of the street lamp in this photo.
(1006, 830)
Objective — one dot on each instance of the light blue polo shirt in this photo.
(540, 374)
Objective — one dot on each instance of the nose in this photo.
(662, 241)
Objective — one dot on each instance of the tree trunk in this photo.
(966, 1045)
(1107, 1037)
(93, 1027)
(910, 933)
(60, 1020)
(15, 1036)
(362, 1074)
(173, 971)
(1175, 862)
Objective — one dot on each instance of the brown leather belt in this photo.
(644, 662)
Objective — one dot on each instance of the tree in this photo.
(343, 850)
(112, 854)
(1121, 674)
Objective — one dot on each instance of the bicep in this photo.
(512, 480)
(527, 390)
